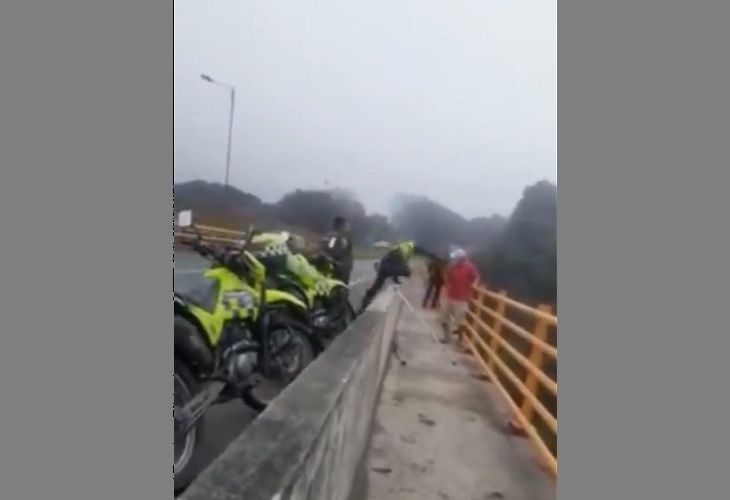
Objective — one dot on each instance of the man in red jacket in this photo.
(460, 279)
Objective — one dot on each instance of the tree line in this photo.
(307, 212)
(517, 254)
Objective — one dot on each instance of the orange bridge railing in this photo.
(516, 346)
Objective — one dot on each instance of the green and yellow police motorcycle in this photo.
(328, 300)
(229, 332)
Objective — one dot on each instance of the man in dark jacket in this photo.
(393, 265)
(436, 277)
(338, 247)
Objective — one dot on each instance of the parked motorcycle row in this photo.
(262, 315)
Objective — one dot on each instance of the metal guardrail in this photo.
(219, 235)
(228, 236)
(212, 233)
(516, 346)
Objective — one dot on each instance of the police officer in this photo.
(338, 246)
(393, 265)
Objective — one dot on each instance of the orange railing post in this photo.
(497, 325)
(467, 333)
(535, 358)
(537, 355)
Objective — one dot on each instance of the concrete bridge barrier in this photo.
(311, 443)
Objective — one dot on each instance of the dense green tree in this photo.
(523, 259)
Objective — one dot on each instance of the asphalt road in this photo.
(225, 422)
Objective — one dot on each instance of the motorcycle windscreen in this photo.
(204, 295)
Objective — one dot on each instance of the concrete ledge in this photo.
(310, 442)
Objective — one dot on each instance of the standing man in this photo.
(338, 246)
(436, 271)
(460, 278)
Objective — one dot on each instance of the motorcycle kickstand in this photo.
(189, 415)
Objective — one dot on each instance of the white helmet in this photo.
(457, 255)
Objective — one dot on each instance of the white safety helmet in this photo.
(457, 255)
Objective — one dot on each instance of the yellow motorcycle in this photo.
(328, 299)
(228, 330)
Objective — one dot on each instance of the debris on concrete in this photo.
(425, 420)
(408, 439)
(455, 451)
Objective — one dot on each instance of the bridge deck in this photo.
(438, 434)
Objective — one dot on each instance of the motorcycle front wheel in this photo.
(294, 352)
(186, 445)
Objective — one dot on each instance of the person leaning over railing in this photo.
(394, 265)
(461, 276)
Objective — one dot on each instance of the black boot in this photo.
(365, 303)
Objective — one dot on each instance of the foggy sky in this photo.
(453, 99)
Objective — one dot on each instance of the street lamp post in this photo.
(232, 91)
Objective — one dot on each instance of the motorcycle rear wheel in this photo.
(286, 367)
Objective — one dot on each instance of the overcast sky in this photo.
(453, 99)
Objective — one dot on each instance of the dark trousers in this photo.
(378, 285)
(342, 273)
(433, 292)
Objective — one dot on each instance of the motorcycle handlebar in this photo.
(223, 257)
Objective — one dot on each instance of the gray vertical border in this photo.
(86, 157)
(644, 341)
